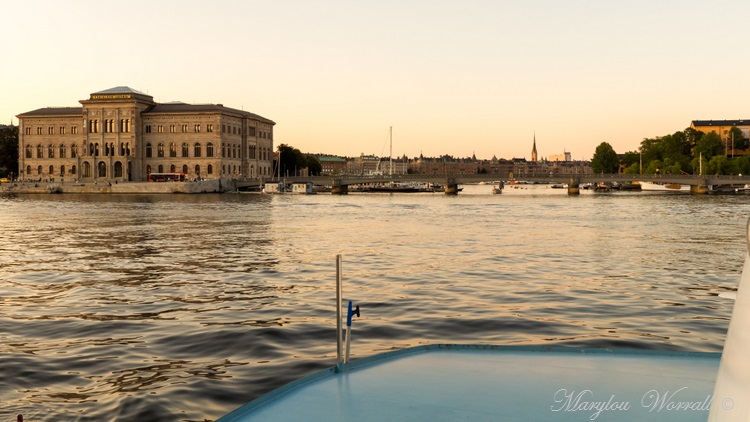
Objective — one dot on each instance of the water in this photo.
(184, 307)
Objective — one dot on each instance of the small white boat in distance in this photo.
(664, 187)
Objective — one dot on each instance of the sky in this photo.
(450, 77)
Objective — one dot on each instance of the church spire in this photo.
(533, 150)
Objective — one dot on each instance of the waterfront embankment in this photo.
(203, 186)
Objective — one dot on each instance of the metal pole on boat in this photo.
(339, 342)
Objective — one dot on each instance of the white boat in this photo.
(523, 383)
(664, 187)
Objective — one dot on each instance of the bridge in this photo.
(699, 183)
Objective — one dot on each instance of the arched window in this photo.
(63, 151)
(223, 151)
(197, 170)
(148, 170)
(51, 170)
(160, 150)
(172, 168)
(210, 150)
(39, 151)
(118, 169)
(148, 150)
(172, 150)
(62, 171)
(73, 151)
(102, 169)
(73, 171)
(184, 168)
(161, 169)
(28, 170)
(86, 169)
(50, 151)
(185, 149)
(252, 171)
(210, 169)
(197, 149)
(39, 171)
(234, 151)
(28, 151)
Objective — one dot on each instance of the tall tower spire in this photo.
(533, 150)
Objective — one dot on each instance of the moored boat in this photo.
(663, 187)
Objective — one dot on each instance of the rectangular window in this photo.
(160, 129)
(50, 131)
(252, 131)
(62, 130)
(28, 132)
(148, 128)
(223, 128)
(38, 131)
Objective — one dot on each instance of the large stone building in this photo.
(121, 134)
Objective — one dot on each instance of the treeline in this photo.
(292, 161)
(679, 153)
(8, 151)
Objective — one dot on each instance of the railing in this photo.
(476, 178)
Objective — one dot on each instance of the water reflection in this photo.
(185, 306)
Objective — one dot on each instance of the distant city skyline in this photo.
(453, 78)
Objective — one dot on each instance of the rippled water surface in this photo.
(184, 307)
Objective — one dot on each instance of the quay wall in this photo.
(204, 186)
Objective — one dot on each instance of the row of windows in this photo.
(107, 149)
(110, 126)
(123, 150)
(118, 170)
(62, 130)
(197, 150)
(173, 128)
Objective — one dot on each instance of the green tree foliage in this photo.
(709, 145)
(314, 168)
(9, 151)
(291, 160)
(605, 159)
(736, 139)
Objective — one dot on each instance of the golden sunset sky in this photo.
(458, 78)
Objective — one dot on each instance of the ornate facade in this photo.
(121, 134)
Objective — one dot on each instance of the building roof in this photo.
(740, 122)
(53, 111)
(120, 90)
(178, 107)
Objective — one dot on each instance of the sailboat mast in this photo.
(390, 135)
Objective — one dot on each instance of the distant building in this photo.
(722, 127)
(533, 150)
(332, 164)
(565, 156)
(121, 134)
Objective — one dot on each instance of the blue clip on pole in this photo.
(349, 314)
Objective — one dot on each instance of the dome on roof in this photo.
(120, 90)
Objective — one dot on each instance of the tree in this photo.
(709, 145)
(736, 139)
(314, 168)
(291, 160)
(9, 151)
(605, 159)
